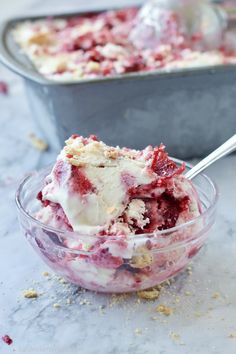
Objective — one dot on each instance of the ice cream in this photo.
(110, 190)
(107, 44)
(113, 202)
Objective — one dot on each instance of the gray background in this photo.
(203, 323)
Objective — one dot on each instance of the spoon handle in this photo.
(225, 149)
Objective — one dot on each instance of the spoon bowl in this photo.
(175, 22)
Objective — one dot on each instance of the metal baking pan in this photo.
(191, 111)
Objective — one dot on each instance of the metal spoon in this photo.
(170, 21)
(225, 149)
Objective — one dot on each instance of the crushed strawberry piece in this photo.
(3, 88)
(162, 213)
(163, 166)
(93, 137)
(194, 251)
(159, 56)
(104, 258)
(84, 42)
(79, 182)
(61, 171)
(7, 339)
(184, 203)
(94, 55)
(102, 38)
(75, 136)
(60, 215)
(196, 37)
(45, 202)
(135, 64)
(107, 69)
(102, 233)
(40, 196)
(169, 208)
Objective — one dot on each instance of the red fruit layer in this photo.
(104, 259)
(79, 183)
(163, 166)
(162, 212)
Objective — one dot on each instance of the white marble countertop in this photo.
(204, 318)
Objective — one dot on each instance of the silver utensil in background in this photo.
(165, 21)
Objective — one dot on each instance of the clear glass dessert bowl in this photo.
(116, 263)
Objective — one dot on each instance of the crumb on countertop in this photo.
(197, 314)
(84, 302)
(138, 331)
(30, 294)
(188, 293)
(118, 299)
(177, 299)
(150, 294)
(62, 280)
(38, 143)
(165, 310)
(154, 318)
(174, 336)
(56, 305)
(189, 270)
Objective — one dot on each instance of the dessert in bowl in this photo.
(114, 219)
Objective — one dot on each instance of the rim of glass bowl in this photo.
(67, 233)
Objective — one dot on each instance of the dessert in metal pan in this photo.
(161, 36)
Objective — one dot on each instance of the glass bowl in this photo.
(115, 264)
